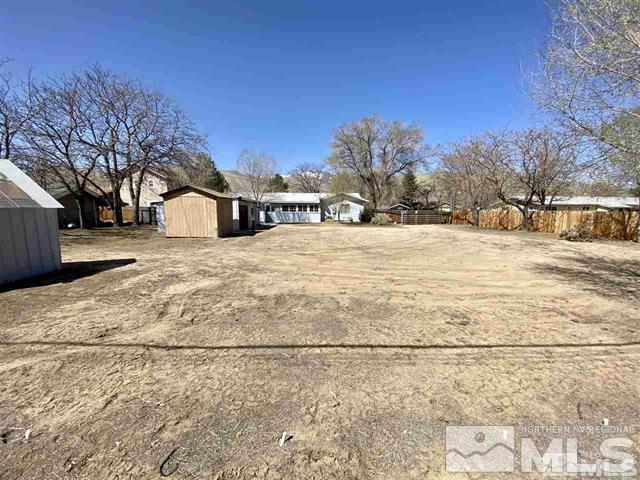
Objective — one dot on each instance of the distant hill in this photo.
(238, 184)
(235, 181)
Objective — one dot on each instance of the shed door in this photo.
(186, 216)
(244, 217)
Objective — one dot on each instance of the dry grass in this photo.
(364, 342)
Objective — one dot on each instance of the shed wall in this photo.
(225, 216)
(194, 215)
(186, 216)
(29, 243)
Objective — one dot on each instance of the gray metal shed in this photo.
(29, 243)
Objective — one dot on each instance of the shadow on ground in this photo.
(606, 276)
(251, 233)
(69, 272)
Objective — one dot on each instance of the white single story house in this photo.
(594, 204)
(294, 207)
(29, 243)
(587, 204)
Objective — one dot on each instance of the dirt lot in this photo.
(189, 358)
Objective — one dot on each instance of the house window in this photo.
(267, 207)
(553, 209)
(314, 208)
(251, 210)
(585, 209)
(345, 208)
(302, 208)
(285, 208)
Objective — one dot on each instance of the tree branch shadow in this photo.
(602, 275)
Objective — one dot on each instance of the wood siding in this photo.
(617, 225)
(225, 216)
(193, 215)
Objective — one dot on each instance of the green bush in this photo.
(366, 215)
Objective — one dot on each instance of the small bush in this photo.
(366, 215)
(381, 219)
(578, 233)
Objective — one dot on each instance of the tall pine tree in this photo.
(214, 178)
(409, 190)
(277, 184)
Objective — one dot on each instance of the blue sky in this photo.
(278, 75)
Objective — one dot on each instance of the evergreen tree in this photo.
(277, 184)
(409, 190)
(214, 178)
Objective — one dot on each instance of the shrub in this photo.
(381, 219)
(366, 215)
(578, 233)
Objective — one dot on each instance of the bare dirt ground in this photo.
(150, 357)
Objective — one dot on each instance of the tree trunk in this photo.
(116, 203)
(136, 198)
(525, 217)
(476, 217)
(7, 142)
(80, 202)
(638, 226)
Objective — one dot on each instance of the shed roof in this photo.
(204, 191)
(18, 190)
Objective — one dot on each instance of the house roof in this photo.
(62, 191)
(239, 196)
(298, 197)
(204, 191)
(18, 190)
(399, 206)
(605, 202)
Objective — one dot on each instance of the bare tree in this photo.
(591, 75)
(376, 150)
(463, 176)
(17, 107)
(52, 137)
(131, 128)
(309, 176)
(256, 168)
(164, 133)
(529, 168)
(109, 120)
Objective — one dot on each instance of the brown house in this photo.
(197, 212)
(70, 214)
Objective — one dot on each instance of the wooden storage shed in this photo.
(29, 243)
(197, 212)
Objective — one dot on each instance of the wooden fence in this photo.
(147, 215)
(618, 225)
(419, 217)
